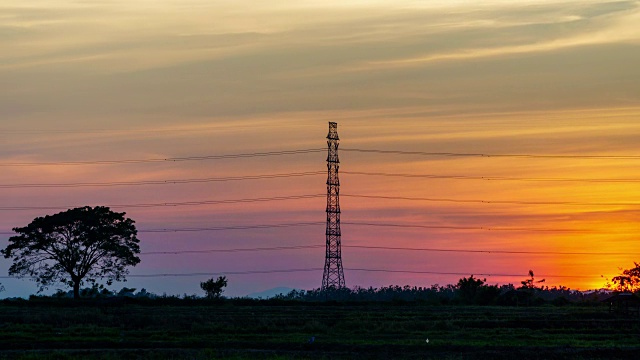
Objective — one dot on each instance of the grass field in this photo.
(239, 330)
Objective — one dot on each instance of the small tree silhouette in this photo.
(531, 282)
(628, 281)
(529, 290)
(214, 288)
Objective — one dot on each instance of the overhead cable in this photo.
(169, 204)
(513, 202)
(168, 159)
(367, 247)
(159, 182)
(491, 155)
(494, 178)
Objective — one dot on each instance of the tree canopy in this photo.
(214, 288)
(475, 291)
(75, 246)
(628, 281)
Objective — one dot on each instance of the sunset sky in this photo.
(88, 81)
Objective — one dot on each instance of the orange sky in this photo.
(139, 79)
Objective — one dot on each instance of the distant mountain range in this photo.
(270, 293)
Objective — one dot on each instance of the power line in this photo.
(172, 159)
(513, 202)
(170, 204)
(224, 273)
(353, 223)
(302, 174)
(446, 227)
(487, 155)
(306, 151)
(250, 272)
(470, 273)
(491, 178)
(161, 182)
(356, 223)
(354, 269)
(236, 227)
(280, 248)
(309, 196)
(303, 247)
(512, 252)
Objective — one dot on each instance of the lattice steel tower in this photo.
(333, 276)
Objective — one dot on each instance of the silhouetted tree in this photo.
(468, 288)
(530, 283)
(214, 288)
(527, 293)
(475, 291)
(628, 281)
(74, 246)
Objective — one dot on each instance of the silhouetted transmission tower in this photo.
(333, 276)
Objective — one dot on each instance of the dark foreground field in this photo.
(271, 331)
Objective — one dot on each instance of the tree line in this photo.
(467, 291)
(87, 245)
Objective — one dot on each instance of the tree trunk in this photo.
(76, 289)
